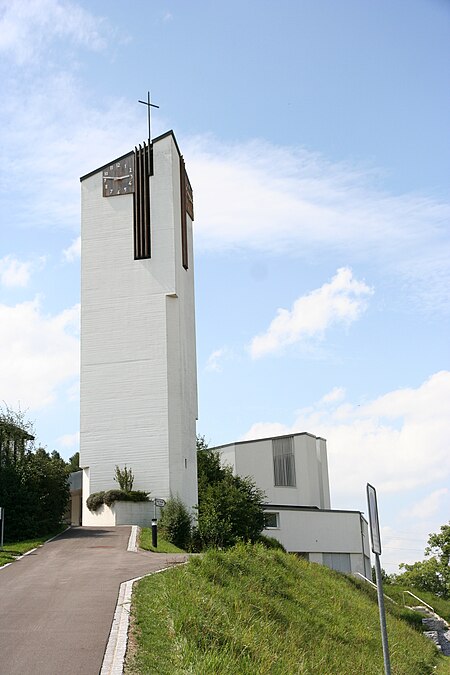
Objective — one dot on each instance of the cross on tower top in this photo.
(149, 107)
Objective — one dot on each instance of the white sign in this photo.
(160, 502)
(373, 519)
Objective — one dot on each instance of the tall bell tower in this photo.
(138, 354)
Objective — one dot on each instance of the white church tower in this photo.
(138, 355)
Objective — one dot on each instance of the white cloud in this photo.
(336, 394)
(212, 363)
(428, 506)
(38, 353)
(216, 358)
(73, 252)
(27, 27)
(14, 272)
(69, 440)
(292, 201)
(342, 300)
(17, 273)
(397, 442)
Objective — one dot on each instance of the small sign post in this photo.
(376, 550)
(2, 518)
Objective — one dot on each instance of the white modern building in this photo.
(293, 472)
(138, 355)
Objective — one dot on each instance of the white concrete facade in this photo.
(300, 513)
(124, 513)
(138, 353)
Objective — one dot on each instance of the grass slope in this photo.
(164, 546)
(440, 606)
(250, 610)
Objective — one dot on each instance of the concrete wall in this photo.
(122, 513)
(138, 362)
(318, 532)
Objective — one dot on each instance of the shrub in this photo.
(176, 523)
(229, 507)
(125, 478)
(96, 499)
(270, 542)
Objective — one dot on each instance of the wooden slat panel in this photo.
(184, 239)
(142, 242)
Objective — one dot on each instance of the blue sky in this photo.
(316, 139)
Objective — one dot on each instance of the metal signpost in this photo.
(376, 550)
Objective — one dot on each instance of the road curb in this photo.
(114, 658)
(132, 541)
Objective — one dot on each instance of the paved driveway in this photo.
(57, 604)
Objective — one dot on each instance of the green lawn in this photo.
(145, 542)
(12, 550)
(250, 610)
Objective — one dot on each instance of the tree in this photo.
(229, 507)
(432, 574)
(35, 493)
(74, 463)
(176, 523)
(34, 486)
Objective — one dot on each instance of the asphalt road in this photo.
(57, 604)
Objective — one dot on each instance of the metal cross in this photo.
(149, 107)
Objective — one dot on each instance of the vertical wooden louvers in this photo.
(187, 208)
(142, 240)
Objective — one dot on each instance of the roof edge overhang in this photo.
(117, 159)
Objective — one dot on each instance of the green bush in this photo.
(176, 522)
(230, 508)
(270, 542)
(96, 499)
(34, 492)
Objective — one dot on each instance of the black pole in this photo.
(154, 533)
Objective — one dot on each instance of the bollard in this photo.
(154, 533)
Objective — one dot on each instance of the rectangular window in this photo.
(337, 561)
(271, 520)
(284, 461)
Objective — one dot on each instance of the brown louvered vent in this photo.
(187, 207)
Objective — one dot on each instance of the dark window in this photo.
(271, 520)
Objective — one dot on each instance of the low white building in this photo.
(293, 472)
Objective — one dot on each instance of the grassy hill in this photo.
(250, 610)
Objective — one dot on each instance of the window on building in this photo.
(271, 520)
(300, 554)
(337, 561)
(284, 461)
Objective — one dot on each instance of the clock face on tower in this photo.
(118, 178)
